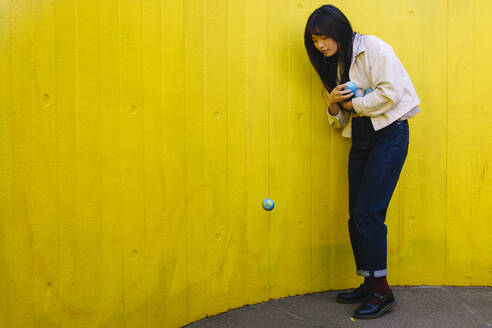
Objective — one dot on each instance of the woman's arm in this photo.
(347, 105)
(336, 96)
(334, 109)
(336, 116)
(388, 77)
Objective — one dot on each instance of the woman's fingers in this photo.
(342, 97)
(340, 94)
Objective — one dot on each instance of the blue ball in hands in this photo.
(351, 86)
(359, 93)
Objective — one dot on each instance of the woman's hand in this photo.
(339, 94)
(347, 105)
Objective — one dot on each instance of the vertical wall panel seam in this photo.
(119, 54)
(247, 129)
(474, 165)
(99, 99)
(141, 81)
(310, 106)
(206, 143)
(331, 201)
(446, 147)
(11, 130)
(119, 152)
(77, 109)
(310, 167)
(162, 125)
(57, 156)
(185, 171)
(289, 127)
(100, 164)
(29, 188)
(268, 149)
(226, 109)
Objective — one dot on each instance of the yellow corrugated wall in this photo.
(138, 139)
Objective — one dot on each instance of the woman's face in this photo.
(327, 46)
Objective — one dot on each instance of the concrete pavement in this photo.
(426, 306)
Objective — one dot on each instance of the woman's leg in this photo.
(375, 189)
(362, 137)
(357, 161)
(381, 172)
(359, 153)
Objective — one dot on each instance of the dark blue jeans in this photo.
(375, 162)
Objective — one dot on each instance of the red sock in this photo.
(362, 290)
(379, 285)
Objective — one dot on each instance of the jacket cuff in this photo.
(357, 104)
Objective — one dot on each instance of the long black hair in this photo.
(328, 20)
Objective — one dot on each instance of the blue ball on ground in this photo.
(368, 91)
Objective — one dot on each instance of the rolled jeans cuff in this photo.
(375, 274)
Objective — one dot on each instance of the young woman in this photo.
(378, 126)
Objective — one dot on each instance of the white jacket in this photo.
(375, 65)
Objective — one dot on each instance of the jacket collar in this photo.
(358, 46)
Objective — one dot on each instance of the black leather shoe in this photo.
(371, 311)
(358, 295)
